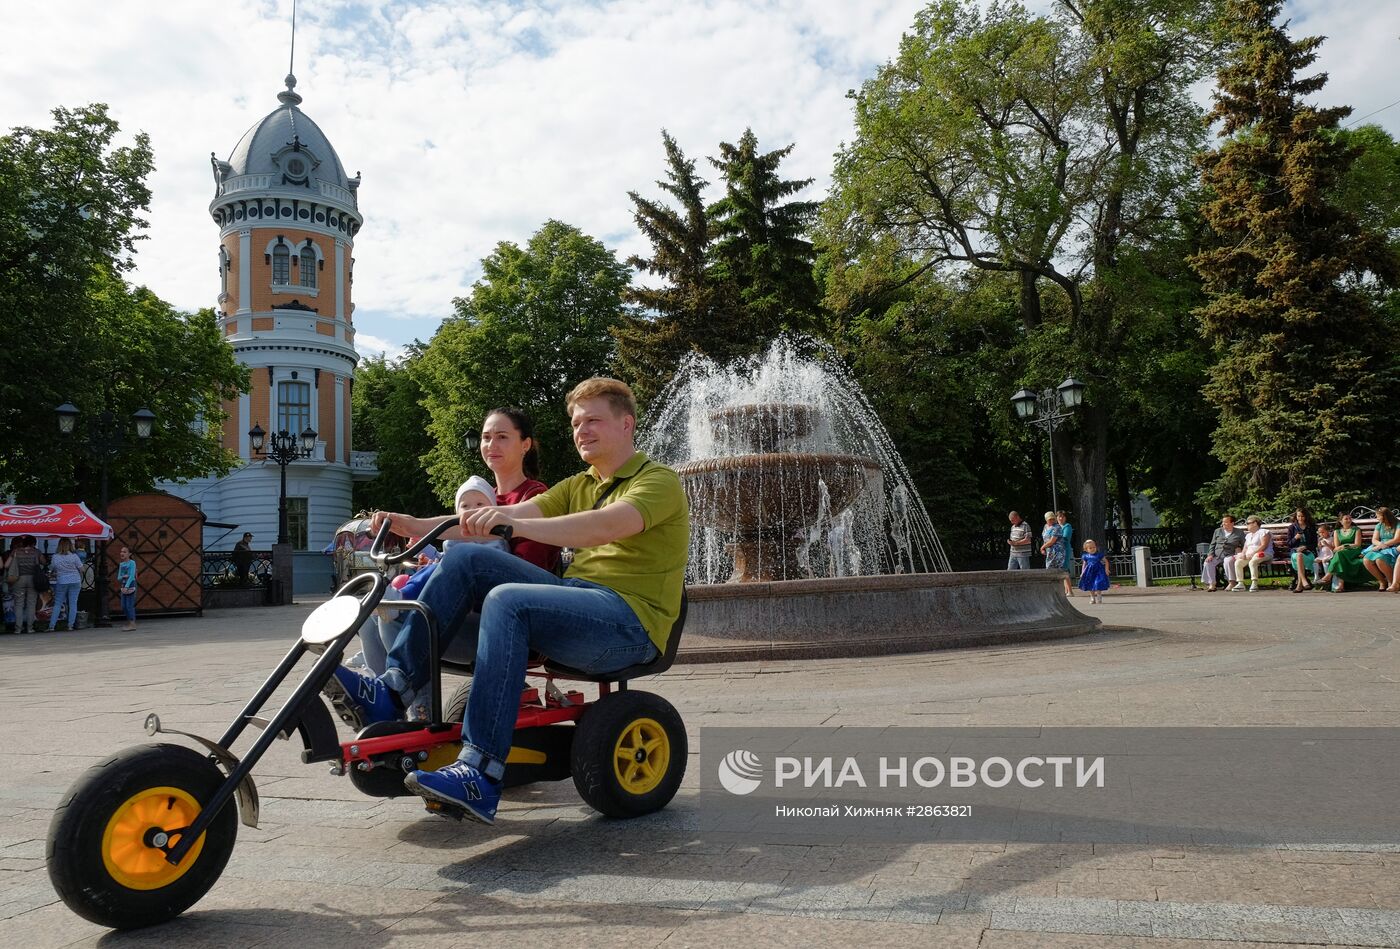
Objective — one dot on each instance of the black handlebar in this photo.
(376, 549)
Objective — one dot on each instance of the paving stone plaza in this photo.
(330, 867)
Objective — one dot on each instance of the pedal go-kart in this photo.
(142, 836)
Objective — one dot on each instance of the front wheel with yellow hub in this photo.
(109, 838)
(629, 754)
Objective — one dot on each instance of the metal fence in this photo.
(1163, 566)
(218, 570)
(989, 546)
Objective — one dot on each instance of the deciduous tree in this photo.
(72, 207)
(537, 322)
(389, 418)
(1053, 149)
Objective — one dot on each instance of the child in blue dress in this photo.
(1094, 577)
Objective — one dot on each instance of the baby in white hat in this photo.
(476, 492)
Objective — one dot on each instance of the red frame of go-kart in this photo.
(534, 711)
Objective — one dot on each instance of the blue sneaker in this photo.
(458, 785)
(361, 699)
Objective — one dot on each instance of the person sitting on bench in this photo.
(628, 522)
(1225, 543)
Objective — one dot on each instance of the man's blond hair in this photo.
(618, 393)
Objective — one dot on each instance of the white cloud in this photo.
(474, 123)
(369, 345)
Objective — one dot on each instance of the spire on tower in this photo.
(291, 96)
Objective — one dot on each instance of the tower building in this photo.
(287, 215)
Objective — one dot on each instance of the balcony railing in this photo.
(364, 462)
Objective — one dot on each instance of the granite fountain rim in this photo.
(874, 583)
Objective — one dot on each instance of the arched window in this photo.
(281, 265)
(308, 268)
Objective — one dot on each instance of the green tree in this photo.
(389, 418)
(128, 350)
(70, 203)
(1305, 380)
(1369, 189)
(678, 315)
(537, 322)
(1053, 149)
(761, 254)
(932, 357)
(72, 208)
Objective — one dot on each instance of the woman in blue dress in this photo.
(1066, 531)
(1094, 577)
(1379, 558)
(1050, 547)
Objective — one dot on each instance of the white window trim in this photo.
(294, 248)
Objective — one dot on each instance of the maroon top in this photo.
(541, 555)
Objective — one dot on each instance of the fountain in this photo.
(807, 535)
(789, 472)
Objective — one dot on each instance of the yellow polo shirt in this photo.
(647, 569)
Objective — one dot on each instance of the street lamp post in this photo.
(1047, 410)
(106, 437)
(284, 449)
(473, 442)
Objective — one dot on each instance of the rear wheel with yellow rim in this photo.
(109, 838)
(629, 754)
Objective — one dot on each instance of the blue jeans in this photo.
(523, 607)
(129, 606)
(65, 593)
(1019, 561)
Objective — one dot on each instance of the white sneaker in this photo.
(356, 661)
(1254, 588)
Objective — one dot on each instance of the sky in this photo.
(475, 122)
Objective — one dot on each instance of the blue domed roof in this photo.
(271, 145)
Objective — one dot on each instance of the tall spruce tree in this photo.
(676, 316)
(1304, 376)
(761, 253)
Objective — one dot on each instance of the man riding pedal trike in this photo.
(614, 608)
(143, 835)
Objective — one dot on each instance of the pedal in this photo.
(444, 810)
(349, 714)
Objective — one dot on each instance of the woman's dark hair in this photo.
(1386, 516)
(1308, 519)
(526, 427)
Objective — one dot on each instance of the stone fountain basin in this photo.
(875, 616)
(762, 428)
(740, 492)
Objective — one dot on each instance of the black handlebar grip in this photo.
(503, 530)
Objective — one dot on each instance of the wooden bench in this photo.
(1279, 533)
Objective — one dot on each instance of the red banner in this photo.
(52, 520)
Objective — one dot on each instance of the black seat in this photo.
(454, 659)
